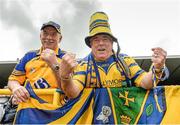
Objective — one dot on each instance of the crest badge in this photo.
(105, 113)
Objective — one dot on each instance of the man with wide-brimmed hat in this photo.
(104, 67)
(39, 68)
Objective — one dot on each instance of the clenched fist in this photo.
(67, 65)
(158, 57)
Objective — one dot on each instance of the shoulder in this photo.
(82, 64)
(26, 58)
(128, 59)
(123, 55)
(32, 53)
(61, 53)
(83, 61)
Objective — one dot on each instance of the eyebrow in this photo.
(106, 36)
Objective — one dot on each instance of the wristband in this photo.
(164, 73)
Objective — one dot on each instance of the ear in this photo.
(60, 39)
(90, 43)
(40, 34)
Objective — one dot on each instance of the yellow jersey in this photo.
(91, 73)
(33, 69)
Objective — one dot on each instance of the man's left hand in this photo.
(158, 57)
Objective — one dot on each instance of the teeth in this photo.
(101, 49)
(48, 41)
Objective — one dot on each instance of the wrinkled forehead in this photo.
(101, 36)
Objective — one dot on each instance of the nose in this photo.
(49, 36)
(101, 41)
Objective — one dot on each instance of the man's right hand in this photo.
(49, 56)
(67, 65)
(20, 94)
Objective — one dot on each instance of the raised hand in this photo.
(68, 64)
(158, 57)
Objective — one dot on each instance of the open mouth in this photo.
(102, 49)
(49, 42)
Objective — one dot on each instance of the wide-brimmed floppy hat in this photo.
(99, 24)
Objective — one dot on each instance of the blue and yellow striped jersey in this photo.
(33, 69)
(107, 73)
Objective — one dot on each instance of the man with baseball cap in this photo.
(39, 68)
(104, 67)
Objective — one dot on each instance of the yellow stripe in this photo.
(56, 98)
(111, 66)
(172, 115)
(112, 104)
(142, 106)
(37, 91)
(87, 117)
(75, 109)
(157, 104)
(33, 103)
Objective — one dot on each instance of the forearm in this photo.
(154, 75)
(13, 84)
(147, 82)
(66, 84)
(57, 75)
(67, 66)
(19, 92)
(69, 88)
(49, 56)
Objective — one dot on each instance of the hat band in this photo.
(100, 25)
(97, 21)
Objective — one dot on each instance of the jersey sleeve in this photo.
(136, 72)
(79, 77)
(19, 72)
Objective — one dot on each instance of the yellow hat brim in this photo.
(98, 31)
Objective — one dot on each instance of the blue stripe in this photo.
(80, 73)
(80, 82)
(97, 21)
(83, 108)
(133, 64)
(40, 116)
(123, 55)
(33, 94)
(102, 99)
(61, 53)
(155, 117)
(28, 56)
(136, 75)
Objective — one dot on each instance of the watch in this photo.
(56, 67)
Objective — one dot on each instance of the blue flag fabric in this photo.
(104, 106)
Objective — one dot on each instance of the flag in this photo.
(131, 105)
